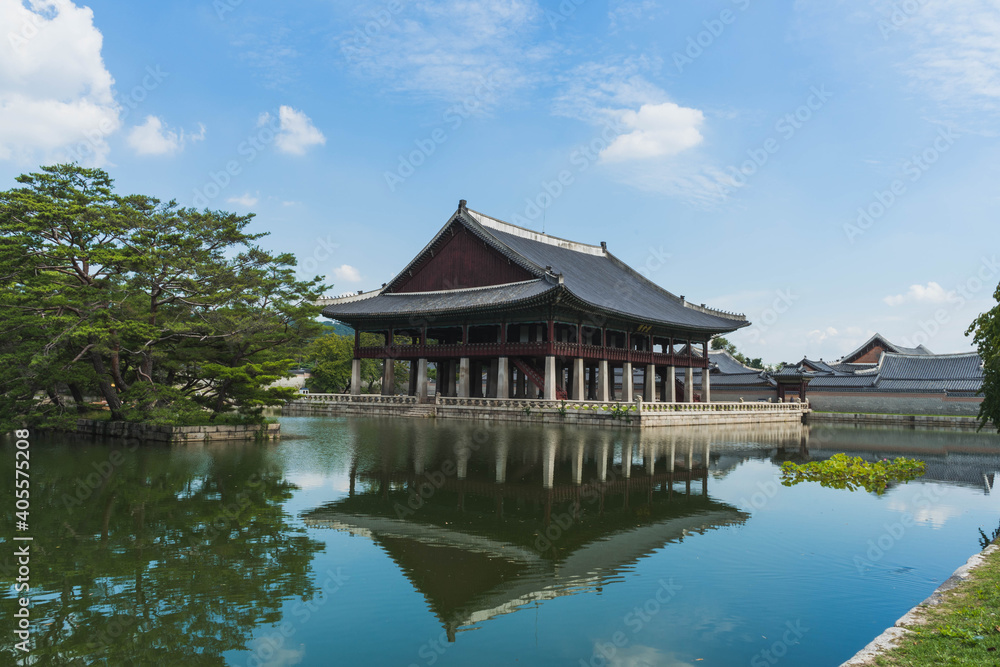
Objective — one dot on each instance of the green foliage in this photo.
(720, 343)
(147, 307)
(985, 331)
(562, 408)
(331, 356)
(619, 412)
(153, 557)
(841, 471)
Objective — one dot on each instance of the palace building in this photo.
(494, 310)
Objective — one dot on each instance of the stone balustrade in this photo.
(541, 404)
(361, 398)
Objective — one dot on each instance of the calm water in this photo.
(369, 542)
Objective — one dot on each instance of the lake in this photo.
(421, 542)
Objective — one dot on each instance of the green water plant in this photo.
(841, 471)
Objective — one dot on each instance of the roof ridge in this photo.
(541, 237)
(467, 289)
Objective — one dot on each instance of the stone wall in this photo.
(892, 403)
(176, 434)
(905, 421)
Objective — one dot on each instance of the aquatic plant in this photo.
(841, 471)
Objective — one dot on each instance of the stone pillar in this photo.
(576, 391)
(463, 378)
(689, 385)
(421, 379)
(706, 385)
(627, 383)
(550, 378)
(503, 378)
(355, 377)
(672, 390)
(603, 382)
(388, 378)
(649, 384)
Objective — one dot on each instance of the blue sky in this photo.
(828, 168)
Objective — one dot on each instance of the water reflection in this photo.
(485, 522)
(156, 556)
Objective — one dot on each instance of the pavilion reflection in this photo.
(484, 522)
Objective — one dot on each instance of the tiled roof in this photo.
(585, 276)
(930, 367)
(844, 381)
(599, 278)
(887, 345)
(387, 303)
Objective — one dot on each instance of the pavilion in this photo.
(501, 311)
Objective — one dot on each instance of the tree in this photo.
(331, 356)
(720, 343)
(161, 311)
(985, 331)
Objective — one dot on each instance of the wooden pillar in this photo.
(492, 379)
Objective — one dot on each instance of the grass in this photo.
(963, 630)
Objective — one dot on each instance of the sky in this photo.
(827, 167)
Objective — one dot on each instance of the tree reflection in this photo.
(155, 556)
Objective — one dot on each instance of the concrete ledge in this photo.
(905, 421)
(892, 636)
(177, 434)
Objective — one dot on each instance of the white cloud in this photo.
(931, 293)
(155, 138)
(625, 11)
(296, 133)
(245, 200)
(646, 137)
(656, 130)
(152, 138)
(819, 335)
(56, 96)
(447, 49)
(954, 50)
(347, 273)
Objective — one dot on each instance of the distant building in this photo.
(879, 376)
